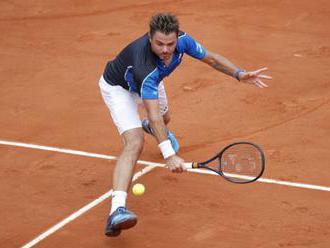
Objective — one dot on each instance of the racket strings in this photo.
(241, 163)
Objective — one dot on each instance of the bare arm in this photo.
(220, 63)
(223, 65)
(156, 120)
(173, 162)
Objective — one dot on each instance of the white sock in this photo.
(118, 200)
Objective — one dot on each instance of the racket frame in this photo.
(203, 165)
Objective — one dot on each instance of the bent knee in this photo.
(134, 144)
(166, 118)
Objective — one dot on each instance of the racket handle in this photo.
(191, 165)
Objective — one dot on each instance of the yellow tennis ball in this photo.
(138, 189)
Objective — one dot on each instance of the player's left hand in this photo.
(254, 77)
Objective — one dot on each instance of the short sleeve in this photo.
(191, 47)
(149, 86)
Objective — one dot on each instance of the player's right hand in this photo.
(175, 164)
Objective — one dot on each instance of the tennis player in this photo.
(135, 77)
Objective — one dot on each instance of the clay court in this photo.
(52, 55)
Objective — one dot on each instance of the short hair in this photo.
(165, 23)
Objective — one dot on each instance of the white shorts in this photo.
(123, 105)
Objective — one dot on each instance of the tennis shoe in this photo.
(146, 127)
(119, 220)
(174, 142)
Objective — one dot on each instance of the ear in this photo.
(149, 36)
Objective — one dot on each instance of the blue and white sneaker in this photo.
(119, 220)
(175, 144)
(146, 127)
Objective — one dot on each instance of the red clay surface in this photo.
(52, 54)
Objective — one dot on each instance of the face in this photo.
(163, 45)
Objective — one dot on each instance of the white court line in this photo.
(81, 211)
(147, 163)
(150, 166)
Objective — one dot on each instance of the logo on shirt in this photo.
(199, 48)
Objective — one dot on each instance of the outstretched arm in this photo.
(156, 120)
(223, 65)
(173, 162)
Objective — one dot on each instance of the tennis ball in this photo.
(138, 189)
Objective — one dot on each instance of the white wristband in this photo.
(166, 148)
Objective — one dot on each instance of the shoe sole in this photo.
(126, 224)
(113, 233)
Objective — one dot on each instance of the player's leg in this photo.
(167, 117)
(133, 141)
(120, 218)
(123, 110)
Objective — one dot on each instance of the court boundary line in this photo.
(81, 211)
(154, 164)
(149, 167)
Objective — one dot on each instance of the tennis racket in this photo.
(240, 162)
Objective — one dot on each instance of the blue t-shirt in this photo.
(139, 70)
